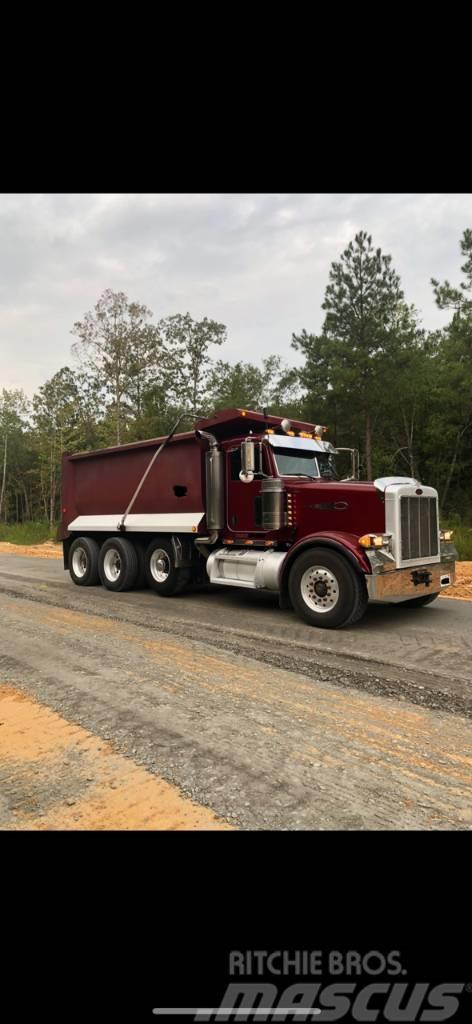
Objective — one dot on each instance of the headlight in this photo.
(446, 534)
(375, 540)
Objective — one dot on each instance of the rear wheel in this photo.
(118, 564)
(325, 590)
(161, 572)
(83, 562)
(418, 602)
(141, 579)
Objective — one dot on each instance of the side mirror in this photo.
(248, 462)
(354, 453)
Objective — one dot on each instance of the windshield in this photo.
(299, 462)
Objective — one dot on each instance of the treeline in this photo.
(382, 383)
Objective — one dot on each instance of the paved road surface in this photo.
(267, 721)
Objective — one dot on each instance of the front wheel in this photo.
(418, 602)
(161, 572)
(325, 591)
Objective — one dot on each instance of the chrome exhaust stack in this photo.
(214, 484)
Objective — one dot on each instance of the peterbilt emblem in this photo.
(330, 506)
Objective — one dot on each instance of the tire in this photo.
(418, 602)
(83, 562)
(341, 597)
(161, 573)
(118, 564)
(141, 579)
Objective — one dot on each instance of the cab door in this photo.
(243, 501)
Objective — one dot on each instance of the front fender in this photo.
(346, 544)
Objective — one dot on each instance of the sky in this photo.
(258, 263)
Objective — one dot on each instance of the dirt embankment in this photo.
(462, 587)
(57, 775)
(47, 550)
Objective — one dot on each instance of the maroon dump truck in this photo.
(252, 500)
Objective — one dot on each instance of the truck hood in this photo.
(351, 487)
(354, 507)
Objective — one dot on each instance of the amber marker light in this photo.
(374, 540)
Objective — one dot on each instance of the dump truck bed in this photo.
(97, 486)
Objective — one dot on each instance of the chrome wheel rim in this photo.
(79, 562)
(319, 588)
(112, 565)
(160, 565)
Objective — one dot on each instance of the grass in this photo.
(27, 533)
(462, 540)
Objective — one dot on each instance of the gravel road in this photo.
(265, 721)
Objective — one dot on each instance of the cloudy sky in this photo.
(257, 262)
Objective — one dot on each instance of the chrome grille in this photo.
(419, 527)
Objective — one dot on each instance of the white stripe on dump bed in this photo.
(162, 522)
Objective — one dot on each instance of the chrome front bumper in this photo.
(390, 584)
